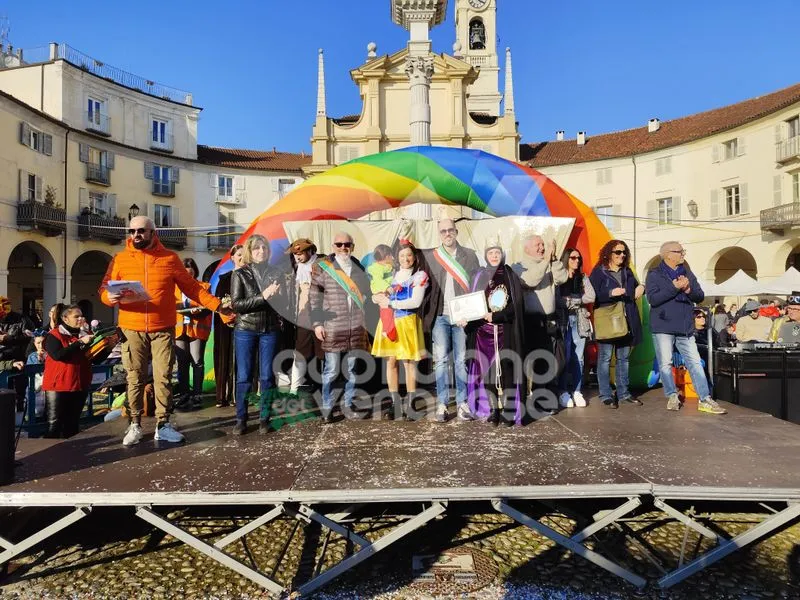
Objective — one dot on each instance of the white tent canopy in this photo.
(709, 289)
(784, 285)
(741, 284)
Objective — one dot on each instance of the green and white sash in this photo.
(452, 266)
(344, 281)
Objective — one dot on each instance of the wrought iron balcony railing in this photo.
(98, 173)
(164, 188)
(223, 239)
(167, 145)
(779, 218)
(96, 227)
(98, 123)
(788, 150)
(174, 237)
(38, 216)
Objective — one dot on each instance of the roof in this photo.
(238, 158)
(671, 133)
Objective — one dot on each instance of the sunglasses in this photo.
(574, 257)
(140, 231)
(618, 252)
(343, 244)
(448, 231)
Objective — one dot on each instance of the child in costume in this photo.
(380, 274)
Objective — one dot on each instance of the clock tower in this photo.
(476, 43)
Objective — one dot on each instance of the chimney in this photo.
(581, 138)
(653, 125)
(53, 51)
(560, 135)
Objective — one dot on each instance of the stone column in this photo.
(420, 71)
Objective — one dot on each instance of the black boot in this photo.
(396, 412)
(53, 408)
(494, 417)
(240, 428)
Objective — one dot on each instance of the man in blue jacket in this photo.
(672, 291)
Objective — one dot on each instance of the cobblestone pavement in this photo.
(122, 557)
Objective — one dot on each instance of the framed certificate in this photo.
(469, 307)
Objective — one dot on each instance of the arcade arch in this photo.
(727, 261)
(32, 280)
(87, 274)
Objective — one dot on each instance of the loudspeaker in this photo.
(760, 378)
(793, 387)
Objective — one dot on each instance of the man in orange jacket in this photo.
(149, 327)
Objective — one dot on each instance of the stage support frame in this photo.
(13, 549)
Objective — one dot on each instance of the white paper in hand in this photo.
(130, 291)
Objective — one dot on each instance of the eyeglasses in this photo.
(140, 231)
(343, 244)
(681, 252)
(448, 231)
(618, 252)
(574, 257)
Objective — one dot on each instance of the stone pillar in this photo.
(4, 282)
(420, 71)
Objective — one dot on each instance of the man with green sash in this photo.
(452, 267)
(339, 289)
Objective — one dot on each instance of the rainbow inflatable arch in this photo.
(433, 175)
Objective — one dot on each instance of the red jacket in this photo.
(67, 368)
(159, 270)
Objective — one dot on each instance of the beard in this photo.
(141, 244)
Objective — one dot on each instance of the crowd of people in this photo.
(525, 354)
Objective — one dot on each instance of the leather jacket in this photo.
(253, 313)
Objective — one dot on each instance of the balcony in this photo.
(780, 218)
(168, 145)
(92, 226)
(223, 238)
(174, 237)
(38, 216)
(238, 197)
(98, 174)
(98, 123)
(164, 188)
(787, 150)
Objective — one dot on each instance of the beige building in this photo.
(725, 182)
(85, 146)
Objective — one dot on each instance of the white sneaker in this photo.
(464, 413)
(441, 413)
(133, 435)
(565, 400)
(579, 400)
(167, 433)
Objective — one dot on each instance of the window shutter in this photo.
(741, 146)
(744, 203)
(715, 153)
(213, 180)
(25, 134)
(142, 209)
(83, 153)
(110, 160)
(112, 205)
(148, 170)
(616, 220)
(652, 214)
(714, 204)
(677, 210)
(83, 200)
(668, 165)
(175, 217)
(175, 174)
(777, 190)
(778, 133)
(659, 167)
(23, 186)
(39, 187)
(599, 177)
(276, 187)
(240, 183)
(47, 146)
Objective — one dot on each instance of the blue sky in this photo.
(578, 64)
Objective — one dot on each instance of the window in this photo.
(347, 153)
(225, 186)
(795, 187)
(733, 200)
(30, 192)
(36, 140)
(603, 176)
(98, 204)
(606, 215)
(284, 187)
(162, 215)
(793, 127)
(730, 148)
(664, 166)
(96, 115)
(160, 134)
(164, 178)
(665, 211)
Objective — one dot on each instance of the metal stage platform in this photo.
(610, 464)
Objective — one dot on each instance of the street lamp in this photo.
(692, 206)
(133, 212)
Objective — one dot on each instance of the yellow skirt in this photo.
(410, 344)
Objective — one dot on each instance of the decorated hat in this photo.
(300, 245)
(493, 242)
(794, 299)
(751, 305)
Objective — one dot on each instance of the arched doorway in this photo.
(730, 260)
(210, 271)
(32, 283)
(87, 274)
(793, 260)
(651, 264)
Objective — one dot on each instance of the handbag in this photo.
(584, 323)
(610, 322)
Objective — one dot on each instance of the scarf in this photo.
(671, 273)
(303, 274)
(533, 271)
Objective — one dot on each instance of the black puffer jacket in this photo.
(253, 313)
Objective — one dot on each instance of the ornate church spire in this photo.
(321, 108)
(509, 95)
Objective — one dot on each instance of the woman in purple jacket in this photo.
(614, 281)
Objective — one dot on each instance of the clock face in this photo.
(478, 4)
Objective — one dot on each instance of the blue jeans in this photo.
(686, 345)
(574, 346)
(604, 370)
(246, 345)
(447, 338)
(329, 374)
